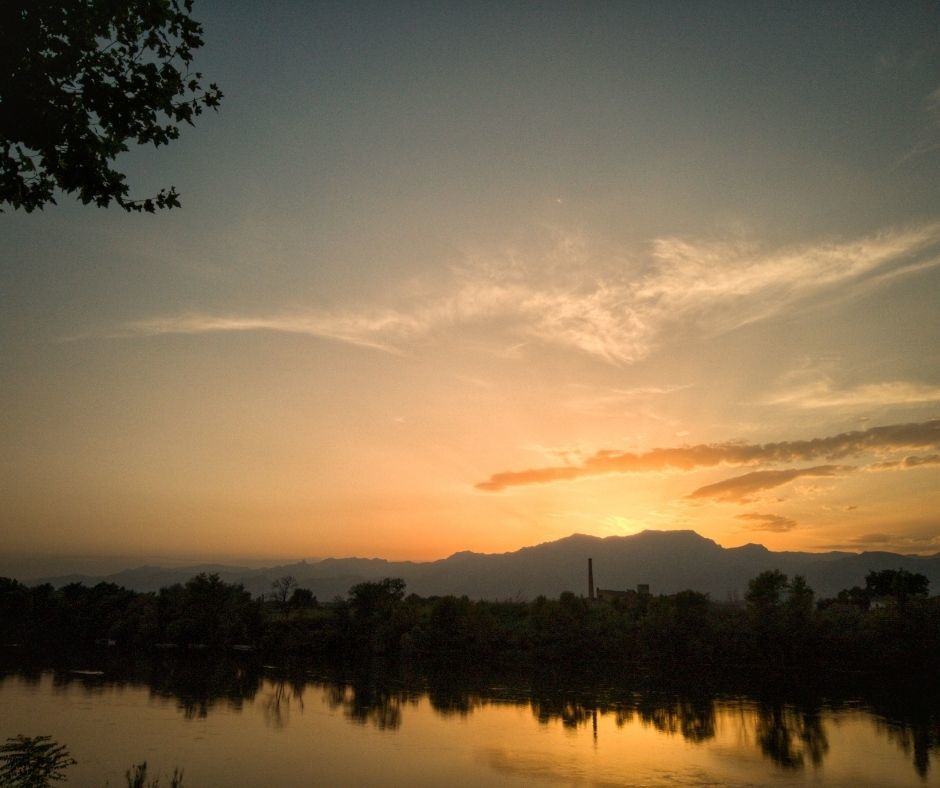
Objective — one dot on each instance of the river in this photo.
(230, 723)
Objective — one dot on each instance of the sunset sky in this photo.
(482, 275)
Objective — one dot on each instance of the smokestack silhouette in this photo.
(590, 578)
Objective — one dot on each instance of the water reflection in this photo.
(367, 703)
(916, 738)
(792, 736)
(693, 718)
(199, 685)
(282, 694)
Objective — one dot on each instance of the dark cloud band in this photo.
(876, 440)
(740, 488)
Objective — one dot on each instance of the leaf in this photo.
(100, 75)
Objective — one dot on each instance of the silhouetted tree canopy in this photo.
(898, 584)
(282, 588)
(301, 599)
(33, 762)
(800, 599)
(79, 79)
(765, 592)
(781, 632)
(376, 597)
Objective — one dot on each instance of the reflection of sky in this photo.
(344, 734)
(421, 247)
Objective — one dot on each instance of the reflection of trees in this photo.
(916, 734)
(913, 740)
(367, 703)
(693, 718)
(199, 684)
(196, 682)
(277, 702)
(793, 737)
(571, 712)
(448, 699)
(790, 736)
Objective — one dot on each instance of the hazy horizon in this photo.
(30, 567)
(476, 277)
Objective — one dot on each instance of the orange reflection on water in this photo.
(302, 732)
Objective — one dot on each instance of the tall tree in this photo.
(765, 592)
(79, 79)
(898, 584)
(282, 588)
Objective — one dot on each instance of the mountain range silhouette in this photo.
(669, 561)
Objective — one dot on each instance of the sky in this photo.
(455, 276)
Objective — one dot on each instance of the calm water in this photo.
(229, 725)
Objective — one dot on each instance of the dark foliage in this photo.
(779, 632)
(136, 777)
(897, 584)
(33, 762)
(79, 79)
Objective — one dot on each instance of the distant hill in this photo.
(668, 561)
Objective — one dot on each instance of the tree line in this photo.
(890, 624)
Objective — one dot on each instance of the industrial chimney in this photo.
(590, 578)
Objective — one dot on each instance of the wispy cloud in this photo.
(774, 523)
(877, 538)
(614, 400)
(927, 542)
(730, 284)
(931, 138)
(875, 440)
(823, 394)
(596, 302)
(356, 329)
(739, 489)
(908, 462)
